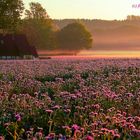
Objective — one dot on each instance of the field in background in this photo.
(94, 54)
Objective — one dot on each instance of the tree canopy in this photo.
(36, 12)
(38, 27)
(10, 14)
(133, 18)
(74, 37)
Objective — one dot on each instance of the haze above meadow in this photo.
(111, 32)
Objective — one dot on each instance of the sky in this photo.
(89, 9)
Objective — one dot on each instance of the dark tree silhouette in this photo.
(36, 12)
(74, 37)
(10, 14)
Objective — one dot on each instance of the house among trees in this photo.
(16, 47)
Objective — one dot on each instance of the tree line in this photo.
(39, 28)
(133, 18)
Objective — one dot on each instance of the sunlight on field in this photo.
(111, 53)
(91, 54)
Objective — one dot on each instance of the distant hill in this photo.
(110, 35)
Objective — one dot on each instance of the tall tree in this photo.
(38, 27)
(36, 12)
(10, 14)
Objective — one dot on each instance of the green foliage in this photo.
(74, 37)
(39, 33)
(85, 75)
(14, 131)
(10, 77)
(38, 27)
(48, 78)
(66, 76)
(51, 93)
(70, 86)
(1, 76)
(36, 12)
(10, 13)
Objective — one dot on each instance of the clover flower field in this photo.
(70, 99)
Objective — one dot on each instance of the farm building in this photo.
(16, 47)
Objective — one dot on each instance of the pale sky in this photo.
(89, 9)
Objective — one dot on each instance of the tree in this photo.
(74, 37)
(36, 12)
(133, 18)
(10, 14)
(38, 27)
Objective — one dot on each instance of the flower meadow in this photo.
(70, 99)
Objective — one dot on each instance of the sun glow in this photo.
(89, 9)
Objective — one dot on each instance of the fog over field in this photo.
(111, 35)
